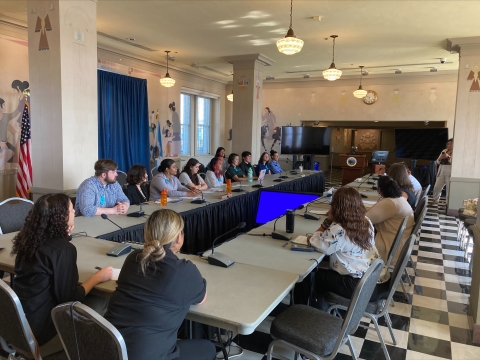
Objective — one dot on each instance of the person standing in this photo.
(444, 171)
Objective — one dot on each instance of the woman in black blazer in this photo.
(136, 190)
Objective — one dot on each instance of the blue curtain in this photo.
(123, 120)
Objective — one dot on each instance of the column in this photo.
(465, 180)
(62, 52)
(247, 102)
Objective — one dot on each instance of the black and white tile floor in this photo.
(433, 324)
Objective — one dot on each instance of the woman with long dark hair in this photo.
(214, 178)
(346, 235)
(136, 191)
(46, 268)
(263, 164)
(387, 215)
(220, 153)
(234, 172)
(191, 177)
(167, 179)
(154, 293)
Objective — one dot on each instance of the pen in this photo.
(98, 268)
(285, 244)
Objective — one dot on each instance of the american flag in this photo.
(24, 175)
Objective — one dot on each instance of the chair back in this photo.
(400, 266)
(14, 328)
(360, 299)
(396, 241)
(87, 335)
(12, 215)
(421, 204)
(418, 222)
(154, 172)
(121, 178)
(147, 190)
(425, 191)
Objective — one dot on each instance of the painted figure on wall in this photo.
(168, 136)
(269, 130)
(176, 140)
(269, 119)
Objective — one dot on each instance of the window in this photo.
(195, 122)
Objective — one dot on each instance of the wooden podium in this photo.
(378, 169)
(350, 173)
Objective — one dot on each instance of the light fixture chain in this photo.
(333, 57)
(291, 11)
(361, 74)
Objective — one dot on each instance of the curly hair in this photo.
(398, 172)
(389, 187)
(136, 174)
(348, 211)
(48, 219)
(161, 230)
(186, 169)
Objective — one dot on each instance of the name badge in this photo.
(219, 179)
(102, 200)
(167, 182)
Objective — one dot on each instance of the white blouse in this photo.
(346, 257)
(212, 180)
(185, 179)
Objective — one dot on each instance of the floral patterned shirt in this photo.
(346, 257)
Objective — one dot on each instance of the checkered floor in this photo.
(435, 321)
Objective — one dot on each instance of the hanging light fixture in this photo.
(360, 93)
(230, 96)
(167, 81)
(332, 73)
(290, 44)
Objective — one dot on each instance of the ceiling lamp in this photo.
(290, 44)
(332, 73)
(360, 93)
(230, 96)
(167, 81)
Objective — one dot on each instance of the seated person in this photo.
(387, 215)
(46, 268)
(136, 191)
(263, 164)
(154, 293)
(101, 194)
(221, 154)
(347, 235)
(247, 164)
(166, 179)
(275, 167)
(398, 172)
(214, 178)
(233, 172)
(191, 177)
(416, 185)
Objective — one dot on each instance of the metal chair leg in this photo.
(380, 337)
(390, 327)
(408, 277)
(404, 291)
(352, 349)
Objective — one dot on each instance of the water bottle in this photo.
(316, 166)
(163, 198)
(229, 186)
(250, 174)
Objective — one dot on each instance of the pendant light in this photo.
(167, 81)
(332, 73)
(360, 93)
(290, 44)
(230, 96)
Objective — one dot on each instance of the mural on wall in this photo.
(366, 140)
(270, 132)
(42, 26)
(174, 125)
(474, 75)
(243, 83)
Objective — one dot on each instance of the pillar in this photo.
(247, 102)
(62, 53)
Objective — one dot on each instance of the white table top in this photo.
(239, 297)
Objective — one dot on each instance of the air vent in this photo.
(270, 78)
(127, 42)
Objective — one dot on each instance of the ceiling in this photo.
(381, 35)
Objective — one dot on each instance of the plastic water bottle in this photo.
(163, 198)
(229, 186)
(316, 166)
(250, 174)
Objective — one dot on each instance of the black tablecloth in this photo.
(205, 223)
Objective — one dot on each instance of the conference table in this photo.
(204, 222)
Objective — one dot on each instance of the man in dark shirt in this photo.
(247, 164)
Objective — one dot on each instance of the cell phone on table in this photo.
(304, 248)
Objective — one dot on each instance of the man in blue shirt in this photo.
(101, 194)
(275, 167)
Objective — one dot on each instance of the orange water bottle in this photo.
(229, 186)
(163, 198)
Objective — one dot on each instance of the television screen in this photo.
(273, 203)
(424, 144)
(379, 156)
(306, 140)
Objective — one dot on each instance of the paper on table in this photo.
(300, 240)
(319, 212)
(115, 274)
(214, 190)
(191, 198)
(170, 200)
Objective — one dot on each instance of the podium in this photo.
(378, 169)
(350, 173)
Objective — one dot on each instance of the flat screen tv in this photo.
(424, 144)
(306, 140)
(273, 203)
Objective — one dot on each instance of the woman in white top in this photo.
(166, 179)
(214, 177)
(346, 235)
(387, 215)
(444, 171)
(190, 176)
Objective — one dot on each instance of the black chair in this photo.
(121, 178)
(319, 335)
(377, 309)
(87, 335)
(154, 172)
(421, 204)
(13, 212)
